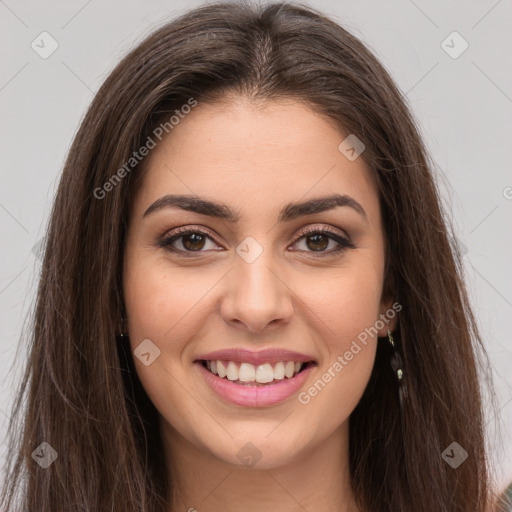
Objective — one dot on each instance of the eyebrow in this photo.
(221, 211)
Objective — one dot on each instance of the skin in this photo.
(255, 159)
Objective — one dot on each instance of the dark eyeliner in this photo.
(166, 241)
(343, 243)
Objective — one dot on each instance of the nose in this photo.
(258, 298)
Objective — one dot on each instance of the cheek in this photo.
(159, 301)
(164, 306)
(345, 303)
(336, 389)
(345, 309)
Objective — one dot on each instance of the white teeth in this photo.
(246, 372)
(264, 373)
(232, 371)
(289, 369)
(279, 371)
(221, 369)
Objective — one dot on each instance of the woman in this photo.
(249, 294)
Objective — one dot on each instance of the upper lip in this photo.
(240, 355)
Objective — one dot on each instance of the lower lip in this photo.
(254, 396)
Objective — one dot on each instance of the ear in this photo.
(388, 316)
(389, 308)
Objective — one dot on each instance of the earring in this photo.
(398, 368)
(122, 334)
(396, 360)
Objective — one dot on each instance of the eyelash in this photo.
(344, 243)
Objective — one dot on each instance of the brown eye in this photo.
(188, 241)
(193, 241)
(317, 242)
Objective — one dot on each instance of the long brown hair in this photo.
(80, 392)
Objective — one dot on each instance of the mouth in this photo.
(255, 379)
(247, 374)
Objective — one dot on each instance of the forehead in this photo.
(255, 155)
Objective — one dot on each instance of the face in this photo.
(256, 276)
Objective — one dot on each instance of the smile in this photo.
(253, 375)
(255, 379)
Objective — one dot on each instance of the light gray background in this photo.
(463, 105)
